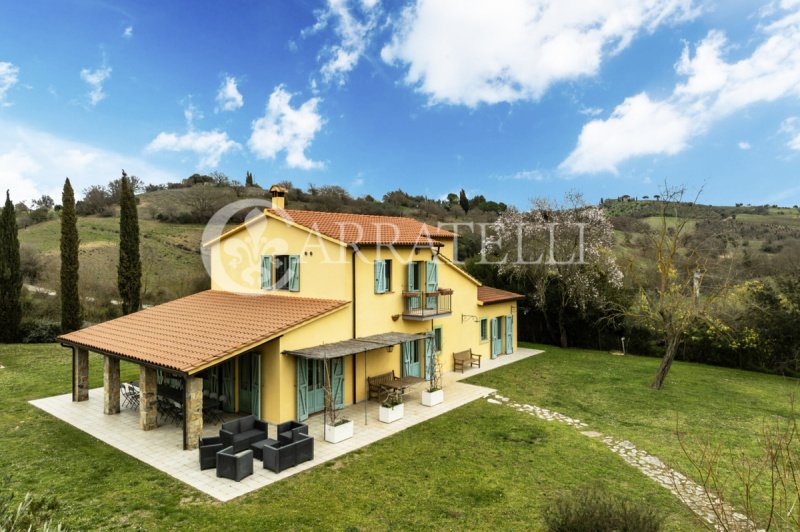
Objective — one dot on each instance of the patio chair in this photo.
(289, 429)
(208, 447)
(177, 410)
(287, 453)
(234, 466)
(126, 400)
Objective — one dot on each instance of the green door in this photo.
(497, 338)
(316, 386)
(509, 334)
(228, 382)
(410, 359)
(245, 383)
(311, 385)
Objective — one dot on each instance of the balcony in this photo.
(427, 305)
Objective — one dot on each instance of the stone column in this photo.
(192, 412)
(110, 385)
(148, 398)
(80, 374)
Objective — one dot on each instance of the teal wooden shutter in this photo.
(255, 384)
(337, 382)
(411, 283)
(509, 334)
(380, 276)
(430, 356)
(302, 388)
(266, 272)
(294, 273)
(405, 357)
(432, 283)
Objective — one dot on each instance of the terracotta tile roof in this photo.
(487, 294)
(366, 229)
(188, 333)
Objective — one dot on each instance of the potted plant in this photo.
(434, 394)
(391, 408)
(336, 428)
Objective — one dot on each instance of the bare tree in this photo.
(676, 301)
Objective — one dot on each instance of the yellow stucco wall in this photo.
(326, 272)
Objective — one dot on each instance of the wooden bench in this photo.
(377, 383)
(462, 358)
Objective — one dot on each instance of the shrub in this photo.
(593, 510)
(30, 513)
(39, 331)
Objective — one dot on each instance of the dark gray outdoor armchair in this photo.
(209, 446)
(234, 466)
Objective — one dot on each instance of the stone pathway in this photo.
(689, 492)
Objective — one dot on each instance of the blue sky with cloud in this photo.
(511, 99)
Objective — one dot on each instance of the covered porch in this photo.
(161, 447)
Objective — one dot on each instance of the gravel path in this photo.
(689, 492)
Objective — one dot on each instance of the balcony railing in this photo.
(427, 305)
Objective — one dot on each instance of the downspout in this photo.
(353, 296)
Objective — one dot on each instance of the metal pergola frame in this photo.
(355, 346)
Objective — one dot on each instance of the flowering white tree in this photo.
(563, 251)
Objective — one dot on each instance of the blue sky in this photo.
(512, 99)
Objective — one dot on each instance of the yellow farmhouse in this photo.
(291, 291)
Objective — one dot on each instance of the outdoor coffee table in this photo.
(258, 448)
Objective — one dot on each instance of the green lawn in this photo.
(723, 406)
(479, 467)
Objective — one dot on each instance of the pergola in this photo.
(355, 346)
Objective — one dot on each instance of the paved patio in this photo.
(163, 448)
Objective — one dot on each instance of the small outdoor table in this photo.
(400, 385)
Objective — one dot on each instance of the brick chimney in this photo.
(278, 194)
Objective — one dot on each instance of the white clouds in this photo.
(209, 145)
(95, 79)
(353, 24)
(523, 175)
(9, 75)
(288, 129)
(744, 145)
(228, 96)
(460, 52)
(33, 163)
(791, 127)
(127, 33)
(639, 126)
(713, 90)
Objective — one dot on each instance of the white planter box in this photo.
(389, 415)
(432, 398)
(339, 432)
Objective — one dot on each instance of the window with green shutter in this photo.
(437, 339)
(484, 329)
(383, 276)
(266, 273)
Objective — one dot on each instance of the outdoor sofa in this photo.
(240, 433)
(288, 451)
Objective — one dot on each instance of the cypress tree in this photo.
(10, 275)
(463, 201)
(129, 272)
(71, 316)
(248, 179)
